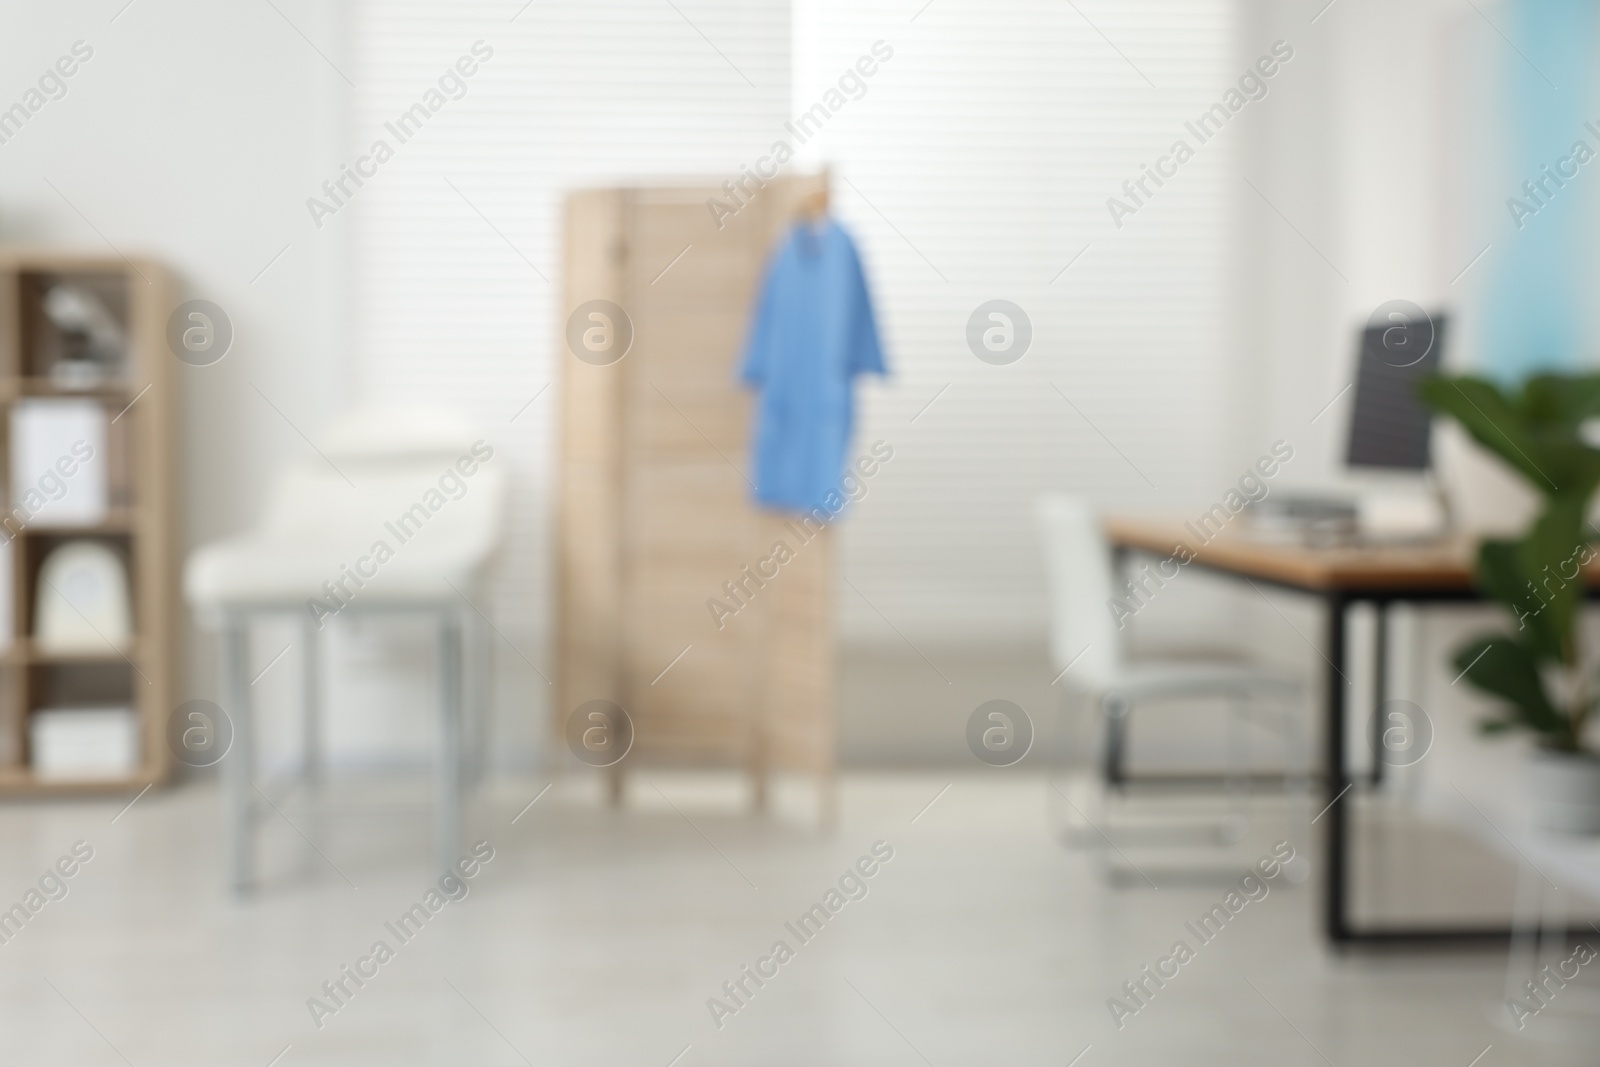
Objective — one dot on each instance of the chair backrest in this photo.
(392, 432)
(391, 474)
(1078, 572)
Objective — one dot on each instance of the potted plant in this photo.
(1540, 671)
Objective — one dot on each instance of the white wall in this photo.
(978, 166)
(1355, 155)
(457, 290)
(193, 135)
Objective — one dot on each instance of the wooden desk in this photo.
(1340, 577)
(1441, 567)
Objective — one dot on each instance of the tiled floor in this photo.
(596, 936)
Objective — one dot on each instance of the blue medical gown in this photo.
(812, 333)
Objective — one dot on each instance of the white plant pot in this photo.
(1566, 792)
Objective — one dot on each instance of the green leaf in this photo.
(1548, 559)
(1503, 575)
(1490, 416)
(1508, 669)
(1562, 399)
(1534, 429)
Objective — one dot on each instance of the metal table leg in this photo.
(1338, 813)
(1380, 685)
(311, 700)
(447, 833)
(1336, 858)
(238, 766)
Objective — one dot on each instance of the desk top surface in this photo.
(1443, 565)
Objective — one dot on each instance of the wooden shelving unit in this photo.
(139, 525)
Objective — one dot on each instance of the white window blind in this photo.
(456, 266)
(977, 166)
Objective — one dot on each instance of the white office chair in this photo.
(391, 476)
(1084, 637)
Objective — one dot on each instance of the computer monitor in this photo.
(1389, 424)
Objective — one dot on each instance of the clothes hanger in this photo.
(813, 206)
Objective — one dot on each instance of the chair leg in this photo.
(828, 808)
(1066, 769)
(447, 834)
(1299, 779)
(482, 677)
(471, 702)
(1115, 710)
(311, 704)
(238, 766)
(1237, 745)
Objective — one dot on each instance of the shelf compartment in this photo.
(75, 327)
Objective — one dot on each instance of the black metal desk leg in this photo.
(1335, 856)
(1380, 686)
(1119, 568)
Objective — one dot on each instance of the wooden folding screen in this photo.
(656, 526)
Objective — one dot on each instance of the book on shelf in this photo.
(90, 742)
(59, 463)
